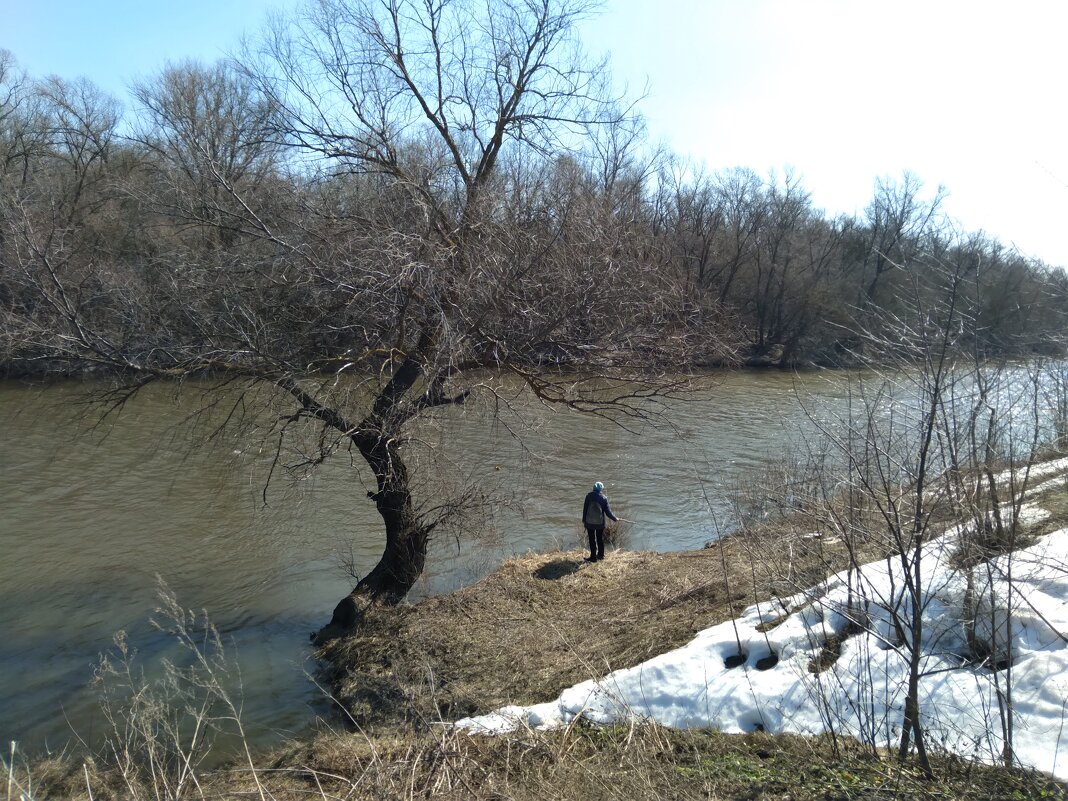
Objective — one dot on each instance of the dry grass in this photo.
(539, 623)
(546, 621)
(1055, 501)
(638, 763)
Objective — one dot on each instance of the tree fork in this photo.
(404, 556)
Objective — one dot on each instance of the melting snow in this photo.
(830, 658)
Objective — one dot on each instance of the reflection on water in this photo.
(90, 519)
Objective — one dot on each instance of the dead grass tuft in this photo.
(639, 763)
(1055, 501)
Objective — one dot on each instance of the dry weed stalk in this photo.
(161, 730)
(19, 782)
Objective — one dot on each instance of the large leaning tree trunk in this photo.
(378, 439)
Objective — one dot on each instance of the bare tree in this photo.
(897, 449)
(81, 125)
(208, 135)
(61, 188)
(687, 212)
(431, 97)
(426, 240)
(740, 194)
(898, 220)
(17, 129)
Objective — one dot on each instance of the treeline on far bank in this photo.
(198, 220)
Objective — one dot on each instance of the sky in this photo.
(968, 94)
(862, 692)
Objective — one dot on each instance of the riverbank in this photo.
(396, 745)
(545, 621)
(542, 622)
(474, 650)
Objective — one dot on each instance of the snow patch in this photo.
(836, 660)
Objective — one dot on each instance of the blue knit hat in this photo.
(598, 487)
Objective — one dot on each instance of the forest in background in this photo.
(195, 221)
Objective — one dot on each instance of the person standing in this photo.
(594, 511)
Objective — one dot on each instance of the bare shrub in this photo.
(161, 730)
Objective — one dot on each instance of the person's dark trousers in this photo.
(596, 537)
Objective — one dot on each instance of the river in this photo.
(92, 513)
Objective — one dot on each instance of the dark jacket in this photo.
(601, 500)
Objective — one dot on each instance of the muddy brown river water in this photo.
(89, 518)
